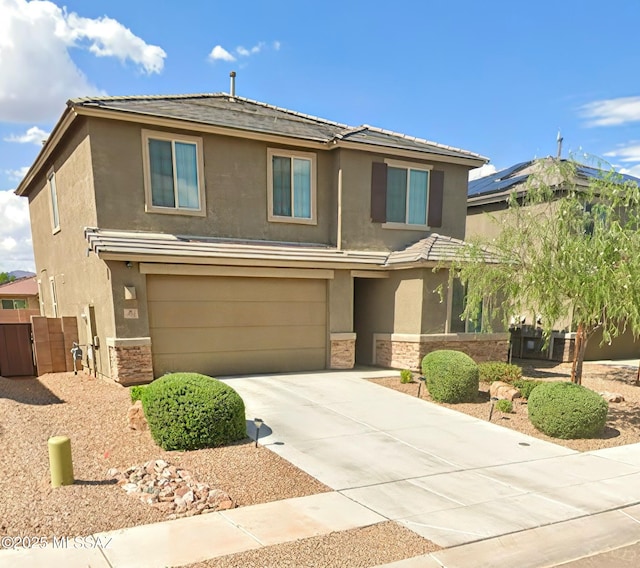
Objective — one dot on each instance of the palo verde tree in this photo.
(568, 250)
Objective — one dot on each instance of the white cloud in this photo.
(612, 112)
(244, 52)
(629, 153)
(482, 171)
(18, 174)
(219, 53)
(37, 73)
(33, 135)
(16, 249)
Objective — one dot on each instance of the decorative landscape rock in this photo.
(135, 417)
(171, 489)
(503, 391)
(612, 396)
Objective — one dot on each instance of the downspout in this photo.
(339, 227)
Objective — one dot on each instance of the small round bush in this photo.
(525, 386)
(406, 376)
(136, 392)
(504, 405)
(567, 411)
(492, 371)
(189, 411)
(452, 376)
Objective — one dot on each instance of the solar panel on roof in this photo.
(497, 182)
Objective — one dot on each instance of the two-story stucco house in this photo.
(217, 234)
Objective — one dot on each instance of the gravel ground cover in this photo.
(358, 548)
(623, 421)
(93, 414)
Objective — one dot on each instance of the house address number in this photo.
(131, 313)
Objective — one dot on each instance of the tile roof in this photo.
(221, 109)
(156, 246)
(434, 248)
(21, 287)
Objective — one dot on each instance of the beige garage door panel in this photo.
(205, 288)
(232, 313)
(229, 325)
(197, 340)
(219, 364)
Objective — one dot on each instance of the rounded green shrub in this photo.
(452, 376)
(504, 405)
(567, 411)
(492, 371)
(406, 376)
(189, 411)
(525, 386)
(136, 392)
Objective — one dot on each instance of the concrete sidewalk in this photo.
(490, 495)
(198, 538)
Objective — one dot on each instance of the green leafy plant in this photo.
(567, 249)
(136, 392)
(505, 406)
(452, 376)
(406, 376)
(189, 411)
(492, 371)
(525, 386)
(566, 410)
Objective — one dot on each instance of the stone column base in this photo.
(406, 351)
(343, 350)
(130, 360)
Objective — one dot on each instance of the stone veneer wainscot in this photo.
(406, 351)
(130, 360)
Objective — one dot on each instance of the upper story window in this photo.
(173, 168)
(53, 194)
(291, 186)
(14, 304)
(406, 195)
(407, 191)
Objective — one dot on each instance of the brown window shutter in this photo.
(436, 197)
(378, 192)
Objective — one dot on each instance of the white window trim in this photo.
(54, 296)
(40, 298)
(157, 135)
(311, 156)
(53, 202)
(410, 166)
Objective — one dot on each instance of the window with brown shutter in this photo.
(405, 195)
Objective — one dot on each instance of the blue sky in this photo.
(495, 77)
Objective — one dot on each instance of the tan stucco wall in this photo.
(341, 302)
(235, 181)
(80, 280)
(434, 309)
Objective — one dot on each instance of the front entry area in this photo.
(220, 325)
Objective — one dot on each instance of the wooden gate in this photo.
(16, 353)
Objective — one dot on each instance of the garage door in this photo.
(234, 325)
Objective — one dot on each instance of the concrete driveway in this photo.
(447, 476)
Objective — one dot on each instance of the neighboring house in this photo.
(217, 234)
(19, 300)
(487, 200)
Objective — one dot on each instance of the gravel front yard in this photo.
(92, 413)
(623, 422)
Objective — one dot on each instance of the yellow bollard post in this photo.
(60, 462)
